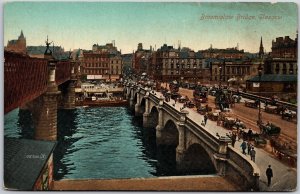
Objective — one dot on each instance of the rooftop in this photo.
(23, 161)
(274, 78)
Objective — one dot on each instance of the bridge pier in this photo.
(146, 115)
(221, 156)
(137, 107)
(181, 148)
(44, 110)
(138, 110)
(159, 127)
(68, 96)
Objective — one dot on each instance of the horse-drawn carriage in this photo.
(228, 122)
(189, 104)
(174, 86)
(236, 98)
(213, 116)
(269, 129)
(183, 99)
(203, 109)
(251, 103)
(271, 109)
(200, 94)
(288, 114)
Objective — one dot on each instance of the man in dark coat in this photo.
(243, 146)
(269, 173)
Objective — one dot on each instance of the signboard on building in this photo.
(256, 85)
(90, 77)
(94, 77)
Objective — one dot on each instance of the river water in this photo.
(105, 142)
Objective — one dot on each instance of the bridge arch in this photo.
(143, 105)
(196, 159)
(170, 134)
(153, 117)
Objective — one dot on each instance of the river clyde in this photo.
(100, 143)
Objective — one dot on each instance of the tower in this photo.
(261, 49)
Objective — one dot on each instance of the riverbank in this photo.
(175, 183)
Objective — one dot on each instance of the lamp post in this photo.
(195, 74)
(259, 90)
(220, 71)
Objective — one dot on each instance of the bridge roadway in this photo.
(285, 177)
(289, 128)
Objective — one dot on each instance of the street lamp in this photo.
(220, 71)
(195, 74)
(259, 90)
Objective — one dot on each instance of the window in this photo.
(284, 68)
(291, 71)
(277, 68)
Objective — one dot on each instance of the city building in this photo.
(18, 45)
(127, 60)
(142, 60)
(283, 86)
(284, 47)
(228, 53)
(280, 68)
(283, 57)
(28, 164)
(231, 70)
(180, 64)
(104, 62)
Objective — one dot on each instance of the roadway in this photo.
(249, 116)
(285, 177)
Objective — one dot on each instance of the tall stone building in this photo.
(283, 57)
(142, 60)
(279, 71)
(228, 53)
(104, 62)
(284, 47)
(180, 64)
(18, 45)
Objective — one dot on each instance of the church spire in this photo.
(21, 35)
(261, 49)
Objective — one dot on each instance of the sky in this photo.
(198, 25)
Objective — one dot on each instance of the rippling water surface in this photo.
(106, 142)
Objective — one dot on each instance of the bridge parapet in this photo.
(63, 72)
(241, 170)
(25, 79)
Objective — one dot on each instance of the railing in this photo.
(290, 106)
(210, 140)
(243, 172)
(63, 72)
(25, 79)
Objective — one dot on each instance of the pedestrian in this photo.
(249, 146)
(243, 146)
(269, 173)
(252, 154)
(205, 118)
(233, 139)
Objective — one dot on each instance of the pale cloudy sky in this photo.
(81, 24)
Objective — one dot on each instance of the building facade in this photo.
(183, 65)
(142, 60)
(233, 70)
(284, 47)
(228, 53)
(104, 62)
(18, 45)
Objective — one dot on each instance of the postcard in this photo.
(150, 96)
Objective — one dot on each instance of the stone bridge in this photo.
(197, 148)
